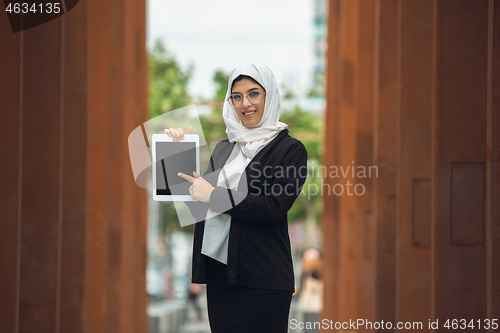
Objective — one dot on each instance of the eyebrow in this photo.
(236, 92)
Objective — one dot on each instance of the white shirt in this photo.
(216, 233)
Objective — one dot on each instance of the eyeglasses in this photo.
(254, 97)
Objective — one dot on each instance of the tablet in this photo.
(170, 158)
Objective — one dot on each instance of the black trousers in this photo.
(234, 309)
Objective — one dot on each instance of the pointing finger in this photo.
(186, 177)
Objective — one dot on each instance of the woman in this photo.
(241, 247)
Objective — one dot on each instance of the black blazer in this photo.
(259, 254)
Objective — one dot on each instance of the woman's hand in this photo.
(201, 189)
(177, 134)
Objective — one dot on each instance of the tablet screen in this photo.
(172, 158)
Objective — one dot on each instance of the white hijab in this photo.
(252, 140)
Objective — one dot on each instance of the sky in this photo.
(222, 34)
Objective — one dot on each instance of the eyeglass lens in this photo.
(254, 97)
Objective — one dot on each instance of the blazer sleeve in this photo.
(273, 200)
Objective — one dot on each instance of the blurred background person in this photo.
(311, 287)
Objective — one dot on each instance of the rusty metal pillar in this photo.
(129, 199)
(140, 217)
(459, 152)
(71, 90)
(386, 154)
(115, 290)
(97, 158)
(41, 178)
(348, 42)
(74, 168)
(437, 148)
(331, 215)
(494, 159)
(11, 53)
(365, 173)
(414, 230)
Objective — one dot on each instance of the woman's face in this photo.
(250, 114)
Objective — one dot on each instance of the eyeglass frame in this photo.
(230, 96)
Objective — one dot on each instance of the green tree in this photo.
(167, 81)
(213, 124)
(220, 81)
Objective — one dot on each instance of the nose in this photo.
(246, 102)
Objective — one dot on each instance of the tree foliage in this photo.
(167, 81)
(220, 81)
(212, 123)
(308, 128)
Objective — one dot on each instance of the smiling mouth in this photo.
(249, 113)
